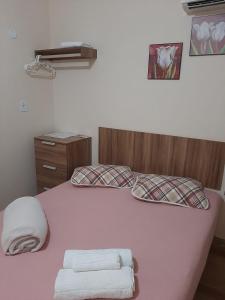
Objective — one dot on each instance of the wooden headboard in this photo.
(163, 154)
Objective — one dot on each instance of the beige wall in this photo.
(30, 18)
(115, 91)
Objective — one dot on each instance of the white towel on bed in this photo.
(126, 258)
(113, 284)
(24, 226)
(95, 262)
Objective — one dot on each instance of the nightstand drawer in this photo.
(49, 182)
(51, 152)
(51, 170)
(45, 186)
(41, 189)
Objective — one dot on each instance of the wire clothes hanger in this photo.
(38, 69)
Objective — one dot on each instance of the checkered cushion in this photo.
(103, 175)
(172, 190)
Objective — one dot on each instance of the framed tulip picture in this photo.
(165, 61)
(208, 35)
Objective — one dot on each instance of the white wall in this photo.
(115, 92)
(30, 18)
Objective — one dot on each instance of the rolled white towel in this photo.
(113, 284)
(74, 44)
(24, 226)
(126, 258)
(95, 262)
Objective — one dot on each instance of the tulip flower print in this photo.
(203, 30)
(165, 56)
(165, 61)
(218, 35)
(218, 32)
(208, 35)
(203, 34)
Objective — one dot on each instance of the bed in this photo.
(169, 243)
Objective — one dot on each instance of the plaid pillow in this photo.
(171, 190)
(103, 175)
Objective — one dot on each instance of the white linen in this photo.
(60, 135)
(95, 262)
(113, 284)
(24, 226)
(126, 258)
(74, 44)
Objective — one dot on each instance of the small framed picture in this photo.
(165, 61)
(208, 35)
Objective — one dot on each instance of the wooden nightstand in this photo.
(57, 158)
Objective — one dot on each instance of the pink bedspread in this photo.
(169, 243)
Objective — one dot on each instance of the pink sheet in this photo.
(169, 243)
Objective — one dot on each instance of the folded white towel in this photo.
(126, 258)
(24, 226)
(74, 44)
(113, 284)
(95, 262)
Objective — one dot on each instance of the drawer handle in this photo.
(48, 143)
(46, 188)
(49, 167)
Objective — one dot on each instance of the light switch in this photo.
(23, 106)
(12, 34)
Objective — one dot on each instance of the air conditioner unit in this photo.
(196, 7)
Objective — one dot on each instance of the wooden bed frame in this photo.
(203, 160)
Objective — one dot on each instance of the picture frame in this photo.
(207, 35)
(165, 61)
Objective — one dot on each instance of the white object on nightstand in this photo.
(60, 135)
